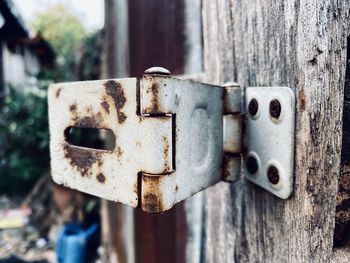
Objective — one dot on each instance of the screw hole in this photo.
(252, 165)
(253, 107)
(273, 175)
(275, 109)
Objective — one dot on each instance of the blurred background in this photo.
(50, 41)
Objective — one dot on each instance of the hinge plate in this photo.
(172, 137)
(268, 143)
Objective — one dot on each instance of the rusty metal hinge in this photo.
(172, 138)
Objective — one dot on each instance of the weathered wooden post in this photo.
(300, 44)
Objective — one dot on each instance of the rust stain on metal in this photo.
(89, 121)
(81, 159)
(152, 199)
(154, 108)
(119, 152)
(105, 106)
(115, 91)
(163, 118)
(99, 163)
(58, 92)
(73, 107)
(166, 153)
(101, 178)
(152, 203)
(136, 189)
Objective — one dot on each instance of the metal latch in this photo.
(173, 138)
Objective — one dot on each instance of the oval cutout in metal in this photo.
(101, 139)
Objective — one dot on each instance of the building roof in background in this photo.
(42, 49)
(14, 29)
(11, 21)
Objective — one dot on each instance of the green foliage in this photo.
(23, 118)
(24, 128)
(89, 67)
(64, 32)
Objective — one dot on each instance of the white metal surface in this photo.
(168, 131)
(270, 140)
(140, 141)
(173, 138)
(232, 136)
(197, 110)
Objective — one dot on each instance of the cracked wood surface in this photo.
(300, 44)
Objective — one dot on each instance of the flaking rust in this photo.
(166, 153)
(110, 174)
(90, 121)
(115, 91)
(81, 159)
(73, 107)
(152, 197)
(155, 99)
(153, 123)
(153, 89)
(101, 178)
(105, 106)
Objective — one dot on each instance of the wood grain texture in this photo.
(300, 44)
(342, 214)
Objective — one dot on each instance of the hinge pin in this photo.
(157, 71)
(232, 120)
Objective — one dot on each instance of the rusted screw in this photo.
(273, 175)
(275, 109)
(252, 165)
(253, 107)
(157, 70)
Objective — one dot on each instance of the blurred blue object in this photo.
(72, 242)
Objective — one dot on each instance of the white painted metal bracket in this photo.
(173, 138)
(269, 139)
